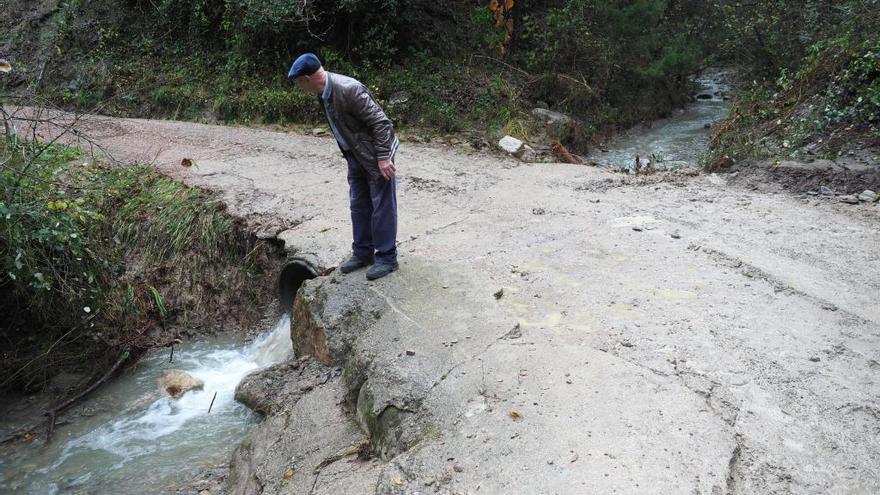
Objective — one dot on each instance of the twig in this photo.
(534, 77)
(54, 412)
(212, 400)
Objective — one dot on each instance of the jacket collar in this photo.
(328, 88)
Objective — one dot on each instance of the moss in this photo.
(383, 428)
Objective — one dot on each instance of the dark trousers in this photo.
(373, 214)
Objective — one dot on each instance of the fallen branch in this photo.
(73, 400)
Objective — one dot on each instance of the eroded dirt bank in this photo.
(671, 334)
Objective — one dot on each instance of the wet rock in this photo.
(849, 199)
(868, 196)
(175, 383)
(268, 390)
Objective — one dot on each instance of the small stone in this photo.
(815, 359)
(675, 235)
(499, 293)
(825, 191)
(410, 352)
(868, 196)
(538, 211)
(849, 199)
(637, 229)
(813, 193)
(458, 468)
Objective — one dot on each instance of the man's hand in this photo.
(386, 168)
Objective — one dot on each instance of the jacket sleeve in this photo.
(364, 108)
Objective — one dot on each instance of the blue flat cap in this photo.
(304, 65)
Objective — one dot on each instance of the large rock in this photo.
(266, 391)
(175, 383)
(517, 148)
(510, 144)
(868, 196)
(557, 125)
(551, 118)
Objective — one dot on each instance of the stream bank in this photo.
(180, 283)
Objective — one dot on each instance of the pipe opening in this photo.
(292, 277)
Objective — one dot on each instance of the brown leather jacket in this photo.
(360, 121)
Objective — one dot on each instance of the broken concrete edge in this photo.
(390, 426)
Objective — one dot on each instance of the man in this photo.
(367, 140)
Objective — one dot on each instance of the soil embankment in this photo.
(661, 334)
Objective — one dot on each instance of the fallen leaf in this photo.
(398, 481)
(28, 436)
(289, 473)
(5, 66)
(186, 163)
(515, 415)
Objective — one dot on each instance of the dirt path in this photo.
(678, 335)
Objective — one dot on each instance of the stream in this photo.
(678, 141)
(137, 438)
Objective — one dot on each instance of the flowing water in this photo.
(140, 441)
(678, 141)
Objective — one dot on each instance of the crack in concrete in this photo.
(754, 272)
(735, 458)
(397, 310)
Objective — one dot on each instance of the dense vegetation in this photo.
(443, 66)
(814, 74)
(98, 261)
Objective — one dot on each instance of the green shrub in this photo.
(96, 260)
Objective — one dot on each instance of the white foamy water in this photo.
(141, 439)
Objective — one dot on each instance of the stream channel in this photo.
(138, 441)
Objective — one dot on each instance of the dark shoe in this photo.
(379, 270)
(353, 263)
